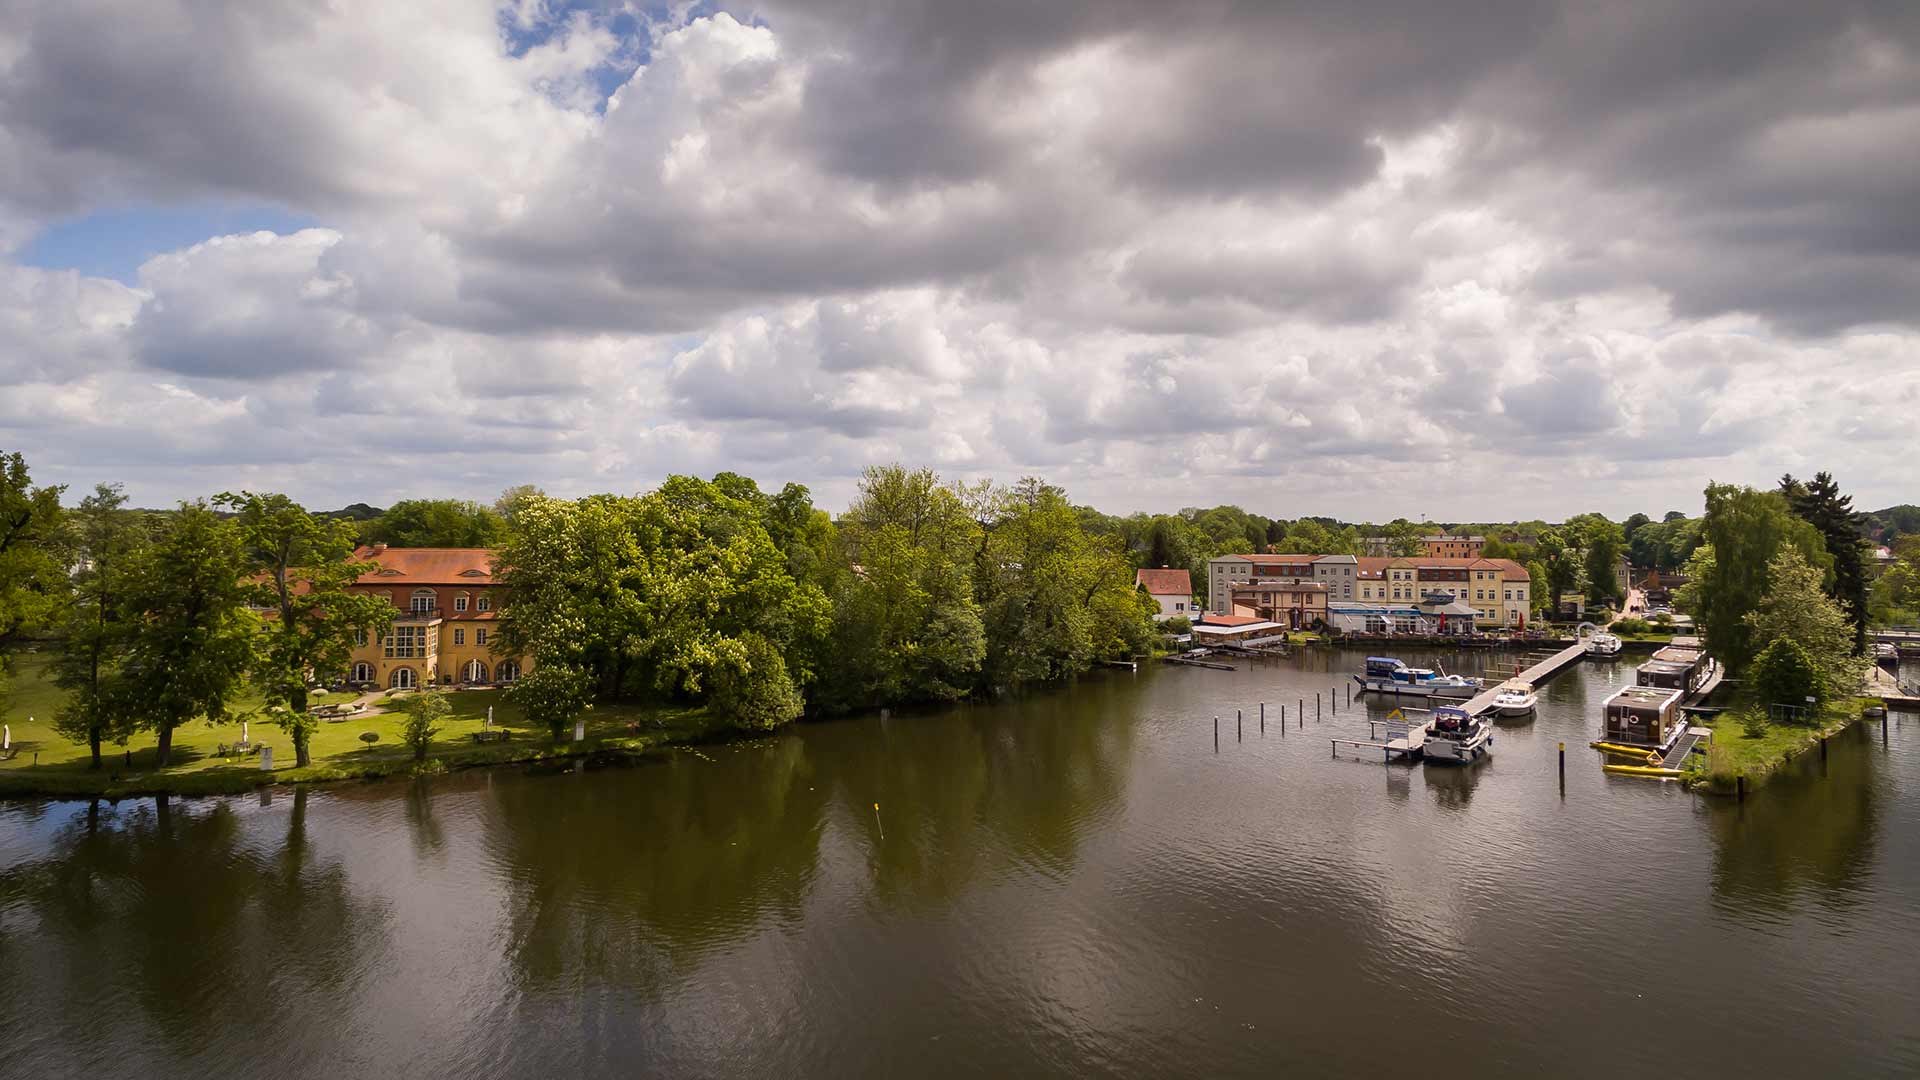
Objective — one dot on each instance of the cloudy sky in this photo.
(1475, 260)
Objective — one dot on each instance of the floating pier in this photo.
(1540, 672)
(1401, 736)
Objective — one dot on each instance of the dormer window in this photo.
(485, 603)
(421, 602)
(460, 602)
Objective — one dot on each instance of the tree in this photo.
(1633, 524)
(107, 542)
(299, 568)
(553, 694)
(1796, 609)
(574, 582)
(1561, 557)
(191, 638)
(512, 500)
(1746, 529)
(33, 580)
(1602, 540)
(423, 712)
(1783, 674)
(749, 684)
(1819, 503)
(1538, 586)
(436, 523)
(1403, 538)
(1896, 594)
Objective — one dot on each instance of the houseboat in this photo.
(1454, 737)
(1642, 716)
(1676, 667)
(1388, 675)
(1604, 645)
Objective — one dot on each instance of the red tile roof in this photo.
(1165, 582)
(426, 566)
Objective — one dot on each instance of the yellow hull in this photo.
(1643, 770)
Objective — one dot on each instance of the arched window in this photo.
(423, 601)
(475, 672)
(363, 672)
(402, 679)
(506, 671)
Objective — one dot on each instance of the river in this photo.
(1074, 883)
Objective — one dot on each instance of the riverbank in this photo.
(1736, 754)
(44, 764)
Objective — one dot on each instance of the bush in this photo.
(1783, 674)
(1179, 624)
(369, 737)
(1631, 626)
(1662, 619)
(418, 728)
(1753, 723)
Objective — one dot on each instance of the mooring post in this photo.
(1823, 749)
(1335, 695)
(1237, 735)
(1316, 706)
(1263, 718)
(1740, 786)
(1349, 695)
(1216, 734)
(1563, 768)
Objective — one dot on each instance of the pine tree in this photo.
(1819, 503)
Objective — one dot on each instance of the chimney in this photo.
(380, 547)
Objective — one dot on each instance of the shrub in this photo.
(1783, 674)
(1179, 624)
(1631, 626)
(418, 728)
(1753, 723)
(369, 737)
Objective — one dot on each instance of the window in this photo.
(506, 672)
(485, 603)
(479, 637)
(405, 643)
(359, 637)
(402, 679)
(475, 671)
(459, 636)
(1178, 606)
(460, 602)
(363, 672)
(422, 601)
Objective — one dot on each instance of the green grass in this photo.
(1735, 753)
(61, 767)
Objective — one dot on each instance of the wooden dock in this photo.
(1403, 737)
(1540, 672)
(1198, 663)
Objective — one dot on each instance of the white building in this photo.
(1171, 589)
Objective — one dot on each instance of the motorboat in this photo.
(1455, 737)
(1515, 699)
(1604, 644)
(1389, 675)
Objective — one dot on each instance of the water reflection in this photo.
(175, 916)
(1812, 830)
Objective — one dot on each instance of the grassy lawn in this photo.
(197, 768)
(1734, 752)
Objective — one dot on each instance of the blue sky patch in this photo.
(113, 243)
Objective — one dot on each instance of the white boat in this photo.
(1387, 675)
(1454, 737)
(1515, 699)
(1604, 644)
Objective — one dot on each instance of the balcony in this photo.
(419, 615)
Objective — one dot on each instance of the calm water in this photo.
(1071, 884)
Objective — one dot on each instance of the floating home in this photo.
(1675, 667)
(1642, 715)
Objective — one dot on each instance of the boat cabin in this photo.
(1383, 667)
(1449, 720)
(1676, 667)
(1642, 715)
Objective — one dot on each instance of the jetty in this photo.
(1400, 736)
(1542, 670)
(1198, 663)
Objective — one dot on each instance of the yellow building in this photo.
(1500, 591)
(447, 630)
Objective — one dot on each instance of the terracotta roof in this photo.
(427, 566)
(1165, 582)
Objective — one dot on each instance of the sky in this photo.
(1499, 260)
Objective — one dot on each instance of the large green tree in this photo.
(33, 579)
(1819, 503)
(1601, 542)
(1796, 608)
(192, 637)
(1561, 556)
(107, 541)
(299, 568)
(1746, 529)
(436, 523)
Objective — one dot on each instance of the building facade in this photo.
(1453, 547)
(1293, 603)
(447, 629)
(1171, 589)
(1500, 591)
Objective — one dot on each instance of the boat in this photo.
(1515, 699)
(1604, 644)
(1455, 737)
(1389, 675)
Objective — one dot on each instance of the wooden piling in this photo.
(1740, 786)
(1216, 734)
(1563, 768)
(1238, 734)
(1263, 718)
(1316, 706)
